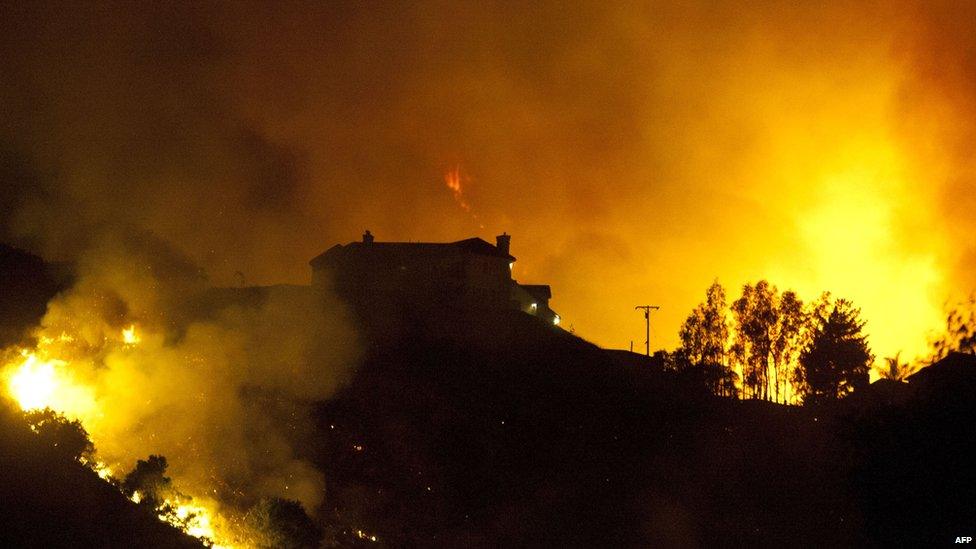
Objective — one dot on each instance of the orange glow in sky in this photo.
(635, 153)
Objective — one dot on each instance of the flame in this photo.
(102, 469)
(37, 380)
(34, 383)
(453, 180)
(129, 336)
(366, 536)
(195, 520)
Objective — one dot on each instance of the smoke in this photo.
(939, 103)
(220, 381)
(635, 152)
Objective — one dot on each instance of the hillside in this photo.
(497, 430)
(47, 500)
(491, 428)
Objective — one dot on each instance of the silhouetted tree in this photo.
(790, 333)
(895, 369)
(756, 317)
(282, 523)
(960, 331)
(770, 331)
(705, 340)
(676, 360)
(67, 437)
(837, 360)
(150, 480)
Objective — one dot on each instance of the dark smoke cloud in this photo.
(636, 151)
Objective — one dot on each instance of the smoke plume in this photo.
(219, 383)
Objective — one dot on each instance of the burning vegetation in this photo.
(49, 394)
(139, 358)
(46, 390)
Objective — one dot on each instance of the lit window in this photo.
(555, 320)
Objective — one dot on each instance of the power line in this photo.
(647, 322)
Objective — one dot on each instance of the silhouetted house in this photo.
(468, 273)
(954, 373)
(881, 393)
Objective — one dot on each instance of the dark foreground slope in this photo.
(48, 500)
(491, 429)
(496, 430)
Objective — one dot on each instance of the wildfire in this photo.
(453, 180)
(365, 536)
(34, 383)
(104, 471)
(37, 380)
(129, 336)
(195, 520)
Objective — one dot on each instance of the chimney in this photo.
(367, 237)
(502, 242)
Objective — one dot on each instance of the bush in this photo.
(148, 478)
(283, 523)
(68, 438)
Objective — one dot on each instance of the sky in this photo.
(635, 151)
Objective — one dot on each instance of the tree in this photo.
(282, 523)
(895, 369)
(150, 481)
(791, 330)
(705, 340)
(960, 332)
(68, 438)
(770, 331)
(756, 317)
(838, 359)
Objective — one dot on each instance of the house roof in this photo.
(538, 291)
(953, 367)
(474, 246)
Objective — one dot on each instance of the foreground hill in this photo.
(491, 428)
(48, 500)
(494, 429)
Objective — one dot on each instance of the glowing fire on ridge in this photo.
(195, 520)
(37, 381)
(34, 383)
(453, 181)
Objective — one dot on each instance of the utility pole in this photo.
(647, 323)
